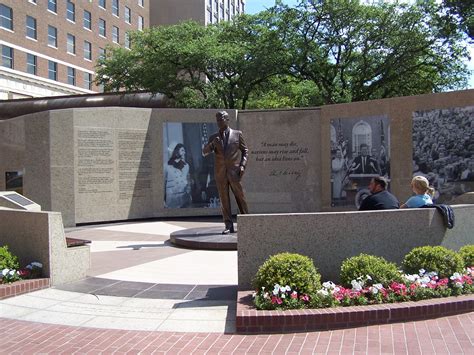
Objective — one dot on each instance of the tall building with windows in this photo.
(50, 47)
(168, 12)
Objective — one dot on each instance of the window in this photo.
(31, 61)
(209, 16)
(127, 42)
(32, 1)
(243, 7)
(52, 70)
(102, 31)
(221, 12)
(52, 37)
(87, 50)
(53, 6)
(115, 7)
(6, 17)
(71, 44)
(87, 20)
(101, 53)
(361, 134)
(88, 81)
(7, 57)
(115, 34)
(128, 15)
(71, 11)
(71, 76)
(102, 4)
(30, 27)
(141, 3)
(140, 23)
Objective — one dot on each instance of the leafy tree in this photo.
(356, 52)
(463, 11)
(199, 66)
(320, 52)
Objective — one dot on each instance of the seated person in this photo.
(380, 198)
(423, 193)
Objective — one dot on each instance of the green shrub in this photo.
(7, 259)
(439, 259)
(286, 269)
(379, 269)
(467, 253)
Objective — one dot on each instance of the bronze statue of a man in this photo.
(231, 154)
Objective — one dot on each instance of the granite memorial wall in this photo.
(111, 163)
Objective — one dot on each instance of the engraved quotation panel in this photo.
(114, 167)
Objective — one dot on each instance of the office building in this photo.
(50, 47)
(168, 12)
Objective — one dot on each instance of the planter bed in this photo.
(23, 286)
(250, 320)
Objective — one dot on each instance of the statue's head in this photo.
(222, 119)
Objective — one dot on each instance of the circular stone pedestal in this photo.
(210, 238)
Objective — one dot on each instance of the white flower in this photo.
(322, 292)
(424, 280)
(254, 294)
(412, 278)
(357, 286)
(283, 295)
(12, 272)
(263, 288)
(266, 295)
(275, 292)
(5, 272)
(288, 288)
(378, 286)
(458, 284)
(329, 285)
(367, 277)
(282, 289)
(432, 274)
(421, 272)
(374, 290)
(455, 276)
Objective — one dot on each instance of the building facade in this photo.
(50, 47)
(168, 12)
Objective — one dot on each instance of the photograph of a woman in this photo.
(178, 182)
(189, 180)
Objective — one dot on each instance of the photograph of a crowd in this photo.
(443, 150)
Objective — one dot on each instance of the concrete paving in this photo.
(139, 281)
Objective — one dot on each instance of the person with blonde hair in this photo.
(423, 193)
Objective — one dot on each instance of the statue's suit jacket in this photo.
(229, 157)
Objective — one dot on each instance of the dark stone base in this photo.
(208, 238)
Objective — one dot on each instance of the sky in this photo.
(254, 6)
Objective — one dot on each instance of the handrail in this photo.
(20, 107)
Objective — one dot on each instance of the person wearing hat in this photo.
(231, 154)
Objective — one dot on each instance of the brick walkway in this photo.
(449, 335)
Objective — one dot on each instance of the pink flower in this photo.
(304, 298)
(277, 300)
(294, 295)
(398, 288)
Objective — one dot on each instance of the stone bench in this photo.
(39, 236)
(331, 237)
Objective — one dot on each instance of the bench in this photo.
(39, 236)
(331, 237)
